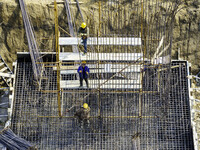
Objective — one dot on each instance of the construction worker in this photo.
(84, 32)
(83, 71)
(83, 115)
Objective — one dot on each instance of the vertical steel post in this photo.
(159, 70)
(57, 56)
(99, 32)
(99, 18)
(142, 71)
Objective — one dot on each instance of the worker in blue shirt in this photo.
(83, 71)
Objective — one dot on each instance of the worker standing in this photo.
(83, 71)
(84, 32)
(83, 115)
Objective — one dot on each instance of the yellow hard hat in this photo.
(85, 105)
(83, 25)
(83, 62)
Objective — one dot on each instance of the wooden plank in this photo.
(101, 56)
(9, 80)
(1, 64)
(6, 75)
(162, 60)
(10, 97)
(3, 69)
(101, 41)
(11, 89)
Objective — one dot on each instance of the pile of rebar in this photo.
(12, 141)
(32, 45)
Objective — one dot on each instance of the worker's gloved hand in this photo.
(80, 71)
(84, 37)
(86, 72)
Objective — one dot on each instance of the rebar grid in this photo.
(169, 129)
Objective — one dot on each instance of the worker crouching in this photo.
(83, 115)
(83, 71)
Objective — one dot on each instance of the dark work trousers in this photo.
(83, 121)
(81, 81)
(85, 44)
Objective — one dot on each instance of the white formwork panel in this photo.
(136, 86)
(101, 56)
(100, 71)
(101, 41)
(132, 68)
(111, 84)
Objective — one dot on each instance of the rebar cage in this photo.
(140, 102)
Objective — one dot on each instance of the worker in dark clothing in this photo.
(83, 71)
(83, 115)
(84, 32)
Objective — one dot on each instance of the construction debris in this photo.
(5, 73)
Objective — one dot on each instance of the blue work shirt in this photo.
(83, 74)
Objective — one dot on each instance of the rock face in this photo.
(187, 34)
(13, 37)
(12, 33)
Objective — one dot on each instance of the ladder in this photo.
(5, 72)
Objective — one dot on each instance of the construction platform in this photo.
(101, 56)
(101, 41)
(128, 78)
(155, 116)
